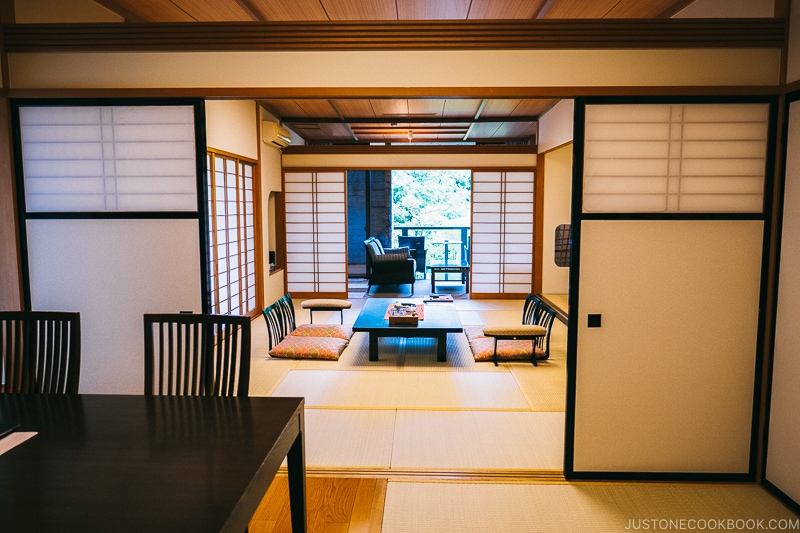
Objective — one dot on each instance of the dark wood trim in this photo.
(399, 35)
(538, 224)
(365, 149)
(10, 266)
(300, 93)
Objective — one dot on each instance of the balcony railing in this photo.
(457, 237)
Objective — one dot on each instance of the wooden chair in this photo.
(41, 352)
(280, 320)
(537, 323)
(196, 355)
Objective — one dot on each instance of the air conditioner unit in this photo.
(274, 134)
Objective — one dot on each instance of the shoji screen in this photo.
(316, 234)
(502, 232)
(112, 224)
(666, 294)
(675, 158)
(783, 467)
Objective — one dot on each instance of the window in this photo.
(232, 209)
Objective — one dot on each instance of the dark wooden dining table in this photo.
(147, 463)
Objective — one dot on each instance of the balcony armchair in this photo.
(389, 265)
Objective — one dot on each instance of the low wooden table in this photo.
(147, 463)
(439, 319)
(461, 267)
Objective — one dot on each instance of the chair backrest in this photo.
(413, 242)
(373, 247)
(280, 319)
(537, 313)
(41, 352)
(196, 355)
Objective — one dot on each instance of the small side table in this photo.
(326, 304)
(461, 267)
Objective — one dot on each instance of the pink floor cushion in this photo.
(474, 332)
(483, 349)
(301, 347)
(323, 330)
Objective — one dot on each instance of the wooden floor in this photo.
(335, 505)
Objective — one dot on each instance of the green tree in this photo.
(431, 197)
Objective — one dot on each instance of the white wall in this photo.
(232, 126)
(557, 208)
(271, 181)
(555, 126)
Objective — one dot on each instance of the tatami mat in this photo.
(266, 373)
(351, 438)
(481, 508)
(545, 386)
(478, 440)
(409, 390)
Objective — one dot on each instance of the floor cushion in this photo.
(509, 350)
(323, 330)
(302, 347)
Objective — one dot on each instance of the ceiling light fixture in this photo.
(410, 135)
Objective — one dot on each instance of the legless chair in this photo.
(196, 355)
(41, 352)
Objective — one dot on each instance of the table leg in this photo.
(433, 280)
(296, 470)
(373, 346)
(441, 347)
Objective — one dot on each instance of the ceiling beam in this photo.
(399, 119)
(400, 35)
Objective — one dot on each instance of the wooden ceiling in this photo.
(481, 120)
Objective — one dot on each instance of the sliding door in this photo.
(502, 233)
(316, 234)
(666, 288)
(110, 198)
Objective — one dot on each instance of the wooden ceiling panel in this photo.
(354, 108)
(215, 10)
(433, 107)
(456, 107)
(317, 108)
(644, 8)
(325, 132)
(390, 108)
(293, 11)
(514, 130)
(576, 9)
(531, 107)
(283, 108)
(500, 107)
(360, 9)
(504, 9)
(432, 9)
(147, 10)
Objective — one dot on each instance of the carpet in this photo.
(404, 390)
(481, 507)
